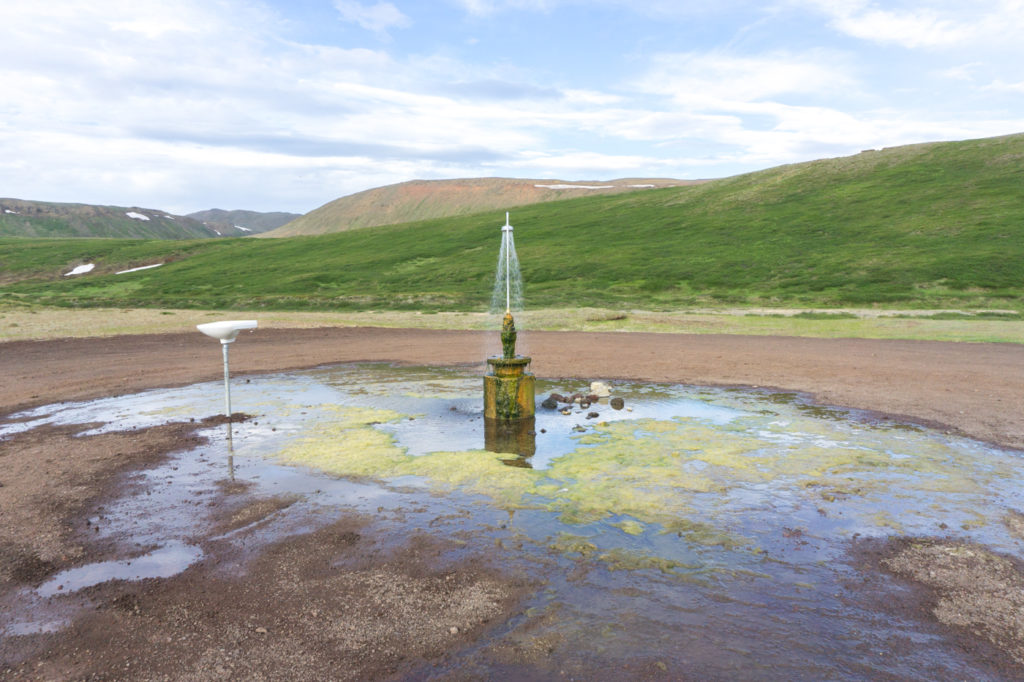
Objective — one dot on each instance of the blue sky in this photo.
(285, 105)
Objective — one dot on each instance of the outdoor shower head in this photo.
(227, 330)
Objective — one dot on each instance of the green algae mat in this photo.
(679, 469)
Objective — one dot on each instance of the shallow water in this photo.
(700, 529)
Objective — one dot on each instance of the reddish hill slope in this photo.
(424, 199)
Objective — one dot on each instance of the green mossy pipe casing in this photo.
(508, 389)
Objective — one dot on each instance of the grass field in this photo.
(24, 323)
(926, 226)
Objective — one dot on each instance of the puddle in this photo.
(705, 528)
(164, 562)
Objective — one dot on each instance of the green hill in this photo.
(21, 218)
(927, 225)
(425, 199)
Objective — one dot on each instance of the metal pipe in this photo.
(227, 384)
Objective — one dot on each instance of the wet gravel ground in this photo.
(336, 599)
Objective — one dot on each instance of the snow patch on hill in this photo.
(81, 269)
(144, 267)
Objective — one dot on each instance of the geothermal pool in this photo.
(706, 529)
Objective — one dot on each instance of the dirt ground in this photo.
(966, 387)
(336, 599)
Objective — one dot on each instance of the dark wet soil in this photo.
(51, 480)
(326, 605)
(334, 603)
(964, 592)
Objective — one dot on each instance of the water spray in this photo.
(508, 387)
(507, 237)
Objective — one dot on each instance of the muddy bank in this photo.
(327, 605)
(971, 388)
(51, 480)
(342, 598)
(972, 594)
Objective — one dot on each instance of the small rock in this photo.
(567, 410)
(261, 630)
(592, 415)
(549, 403)
(543, 430)
(454, 630)
(584, 404)
(558, 397)
(600, 389)
(578, 428)
(617, 403)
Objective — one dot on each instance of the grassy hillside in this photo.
(425, 199)
(21, 218)
(242, 222)
(925, 226)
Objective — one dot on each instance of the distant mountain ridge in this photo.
(230, 223)
(24, 218)
(426, 199)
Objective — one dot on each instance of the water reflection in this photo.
(231, 451)
(515, 437)
(518, 462)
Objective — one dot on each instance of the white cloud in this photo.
(648, 8)
(195, 104)
(1001, 86)
(928, 24)
(378, 18)
(915, 28)
(718, 77)
(483, 8)
(962, 72)
(587, 165)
